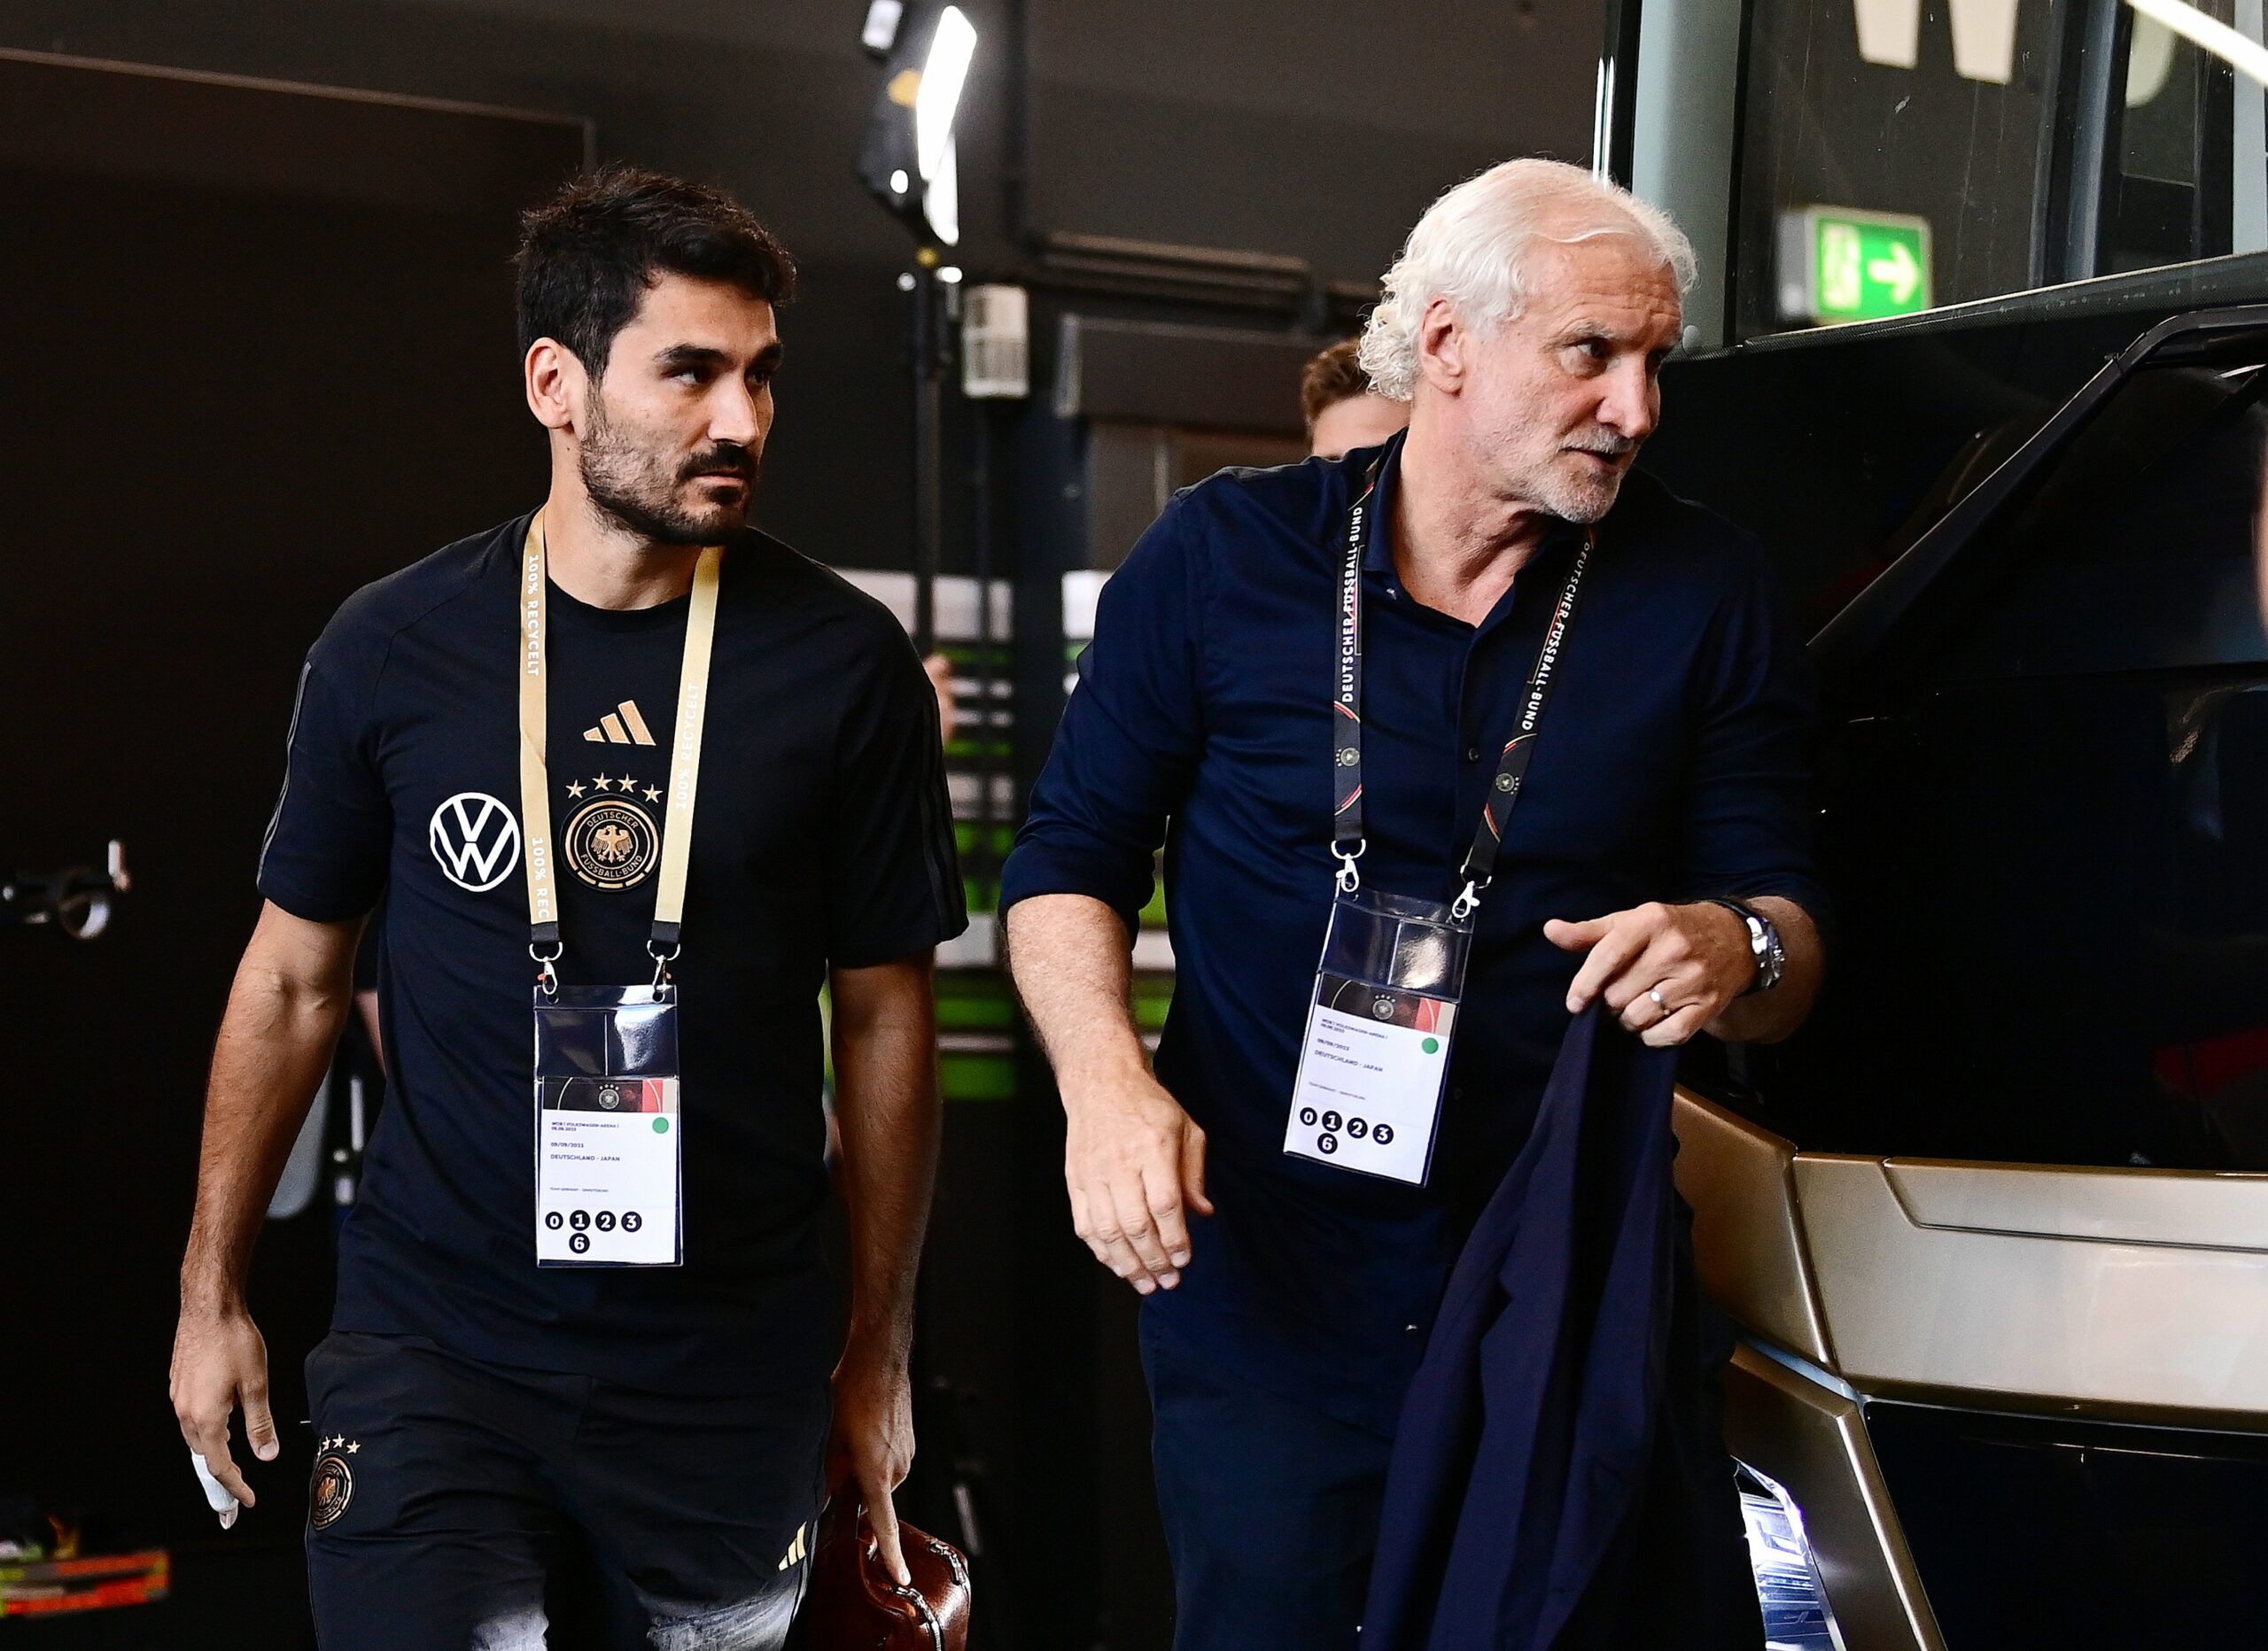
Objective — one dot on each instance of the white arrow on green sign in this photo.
(1840, 263)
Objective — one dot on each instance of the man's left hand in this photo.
(1666, 970)
(871, 1449)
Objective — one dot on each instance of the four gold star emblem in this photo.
(627, 785)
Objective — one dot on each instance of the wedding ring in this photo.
(1656, 994)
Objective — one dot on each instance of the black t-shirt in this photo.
(823, 837)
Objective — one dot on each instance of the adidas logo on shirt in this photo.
(622, 725)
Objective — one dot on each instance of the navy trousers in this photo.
(1270, 1507)
(459, 1506)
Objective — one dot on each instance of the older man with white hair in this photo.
(1325, 687)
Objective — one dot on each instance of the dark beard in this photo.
(645, 494)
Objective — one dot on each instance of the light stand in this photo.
(931, 359)
(910, 161)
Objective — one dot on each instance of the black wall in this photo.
(257, 345)
(1317, 129)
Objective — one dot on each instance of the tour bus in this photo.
(1977, 349)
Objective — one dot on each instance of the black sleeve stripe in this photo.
(290, 741)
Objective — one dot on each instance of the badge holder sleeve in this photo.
(1381, 1019)
(610, 1145)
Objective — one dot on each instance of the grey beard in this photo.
(1579, 501)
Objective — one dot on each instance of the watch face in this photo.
(1773, 961)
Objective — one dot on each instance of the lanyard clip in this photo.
(662, 961)
(1349, 879)
(1464, 905)
(546, 977)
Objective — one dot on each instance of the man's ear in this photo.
(558, 389)
(1442, 346)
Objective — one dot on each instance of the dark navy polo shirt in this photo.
(1671, 763)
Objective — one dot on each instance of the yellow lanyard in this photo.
(685, 760)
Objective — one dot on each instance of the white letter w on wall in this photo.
(1983, 36)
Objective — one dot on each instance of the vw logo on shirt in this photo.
(475, 840)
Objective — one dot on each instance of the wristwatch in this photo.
(1764, 943)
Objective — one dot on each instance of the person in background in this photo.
(940, 667)
(1659, 862)
(1343, 412)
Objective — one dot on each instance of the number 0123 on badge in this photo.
(1368, 1094)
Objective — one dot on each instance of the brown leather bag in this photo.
(856, 1605)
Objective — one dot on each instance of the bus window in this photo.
(1889, 162)
(1900, 155)
(2180, 173)
(2140, 556)
(2060, 824)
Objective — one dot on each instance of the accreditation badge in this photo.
(610, 1141)
(1375, 1062)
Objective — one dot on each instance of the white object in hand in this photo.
(217, 1495)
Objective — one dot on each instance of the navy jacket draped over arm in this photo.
(1561, 1434)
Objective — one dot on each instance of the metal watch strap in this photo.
(1765, 947)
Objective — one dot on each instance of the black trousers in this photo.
(459, 1506)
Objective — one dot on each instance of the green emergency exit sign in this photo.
(1838, 263)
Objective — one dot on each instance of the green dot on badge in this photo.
(661, 1124)
(1432, 1046)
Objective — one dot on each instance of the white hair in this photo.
(1473, 247)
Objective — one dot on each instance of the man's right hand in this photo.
(1135, 1164)
(220, 1363)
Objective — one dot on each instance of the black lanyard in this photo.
(1347, 839)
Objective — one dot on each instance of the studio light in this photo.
(941, 198)
(952, 46)
(910, 159)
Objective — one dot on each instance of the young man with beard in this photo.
(509, 739)
(1324, 688)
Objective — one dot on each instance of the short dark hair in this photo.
(1331, 377)
(588, 255)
